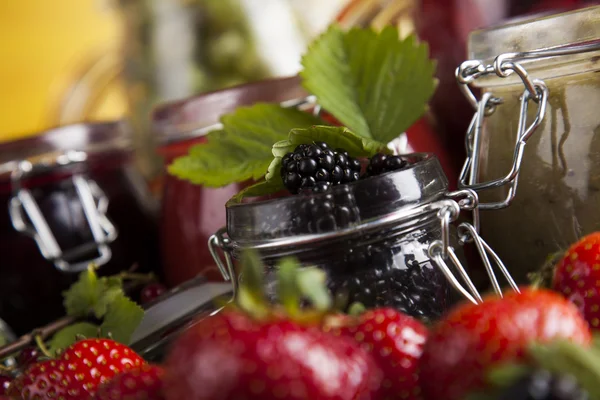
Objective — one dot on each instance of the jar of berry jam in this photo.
(69, 197)
(383, 240)
(534, 141)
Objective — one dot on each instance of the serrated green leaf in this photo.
(242, 150)
(374, 83)
(81, 297)
(111, 288)
(122, 318)
(68, 335)
(335, 137)
(91, 295)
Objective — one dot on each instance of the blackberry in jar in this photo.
(310, 164)
(371, 237)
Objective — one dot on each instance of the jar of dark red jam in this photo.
(68, 197)
(383, 240)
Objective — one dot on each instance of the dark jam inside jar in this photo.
(31, 285)
(371, 237)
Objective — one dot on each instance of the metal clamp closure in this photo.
(27, 217)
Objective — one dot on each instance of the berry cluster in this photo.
(317, 167)
(381, 163)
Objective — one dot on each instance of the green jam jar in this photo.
(557, 199)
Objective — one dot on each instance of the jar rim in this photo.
(189, 118)
(422, 182)
(75, 142)
(537, 32)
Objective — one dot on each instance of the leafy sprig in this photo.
(375, 84)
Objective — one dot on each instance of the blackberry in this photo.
(376, 276)
(316, 167)
(543, 385)
(381, 163)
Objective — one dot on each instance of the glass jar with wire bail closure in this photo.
(536, 125)
(382, 241)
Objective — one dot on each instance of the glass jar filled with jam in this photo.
(69, 198)
(534, 142)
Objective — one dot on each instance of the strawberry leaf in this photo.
(374, 83)
(261, 188)
(287, 286)
(122, 318)
(335, 137)
(250, 296)
(312, 284)
(242, 150)
(69, 335)
(91, 295)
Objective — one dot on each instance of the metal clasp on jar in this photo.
(446, 210)
(27, 217)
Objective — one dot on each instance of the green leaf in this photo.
(566, 357)
(374, 83)
(261, 188)
(335, 137)
(111, 288)
(507, 374)
(67, 336)
(250, 296)
(91, 295)
(287, 289)
(242, 150)
(312, 284)
(81, 297)
(122, 318)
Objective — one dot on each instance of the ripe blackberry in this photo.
(381, 276)
(316, 167)
(543, 385)
(381, 163)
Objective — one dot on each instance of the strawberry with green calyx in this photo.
(256, 350)
(395, 340)
(471, 339)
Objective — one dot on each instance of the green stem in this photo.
(42, 346)
(134, 276)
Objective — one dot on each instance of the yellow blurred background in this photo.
(59, 63)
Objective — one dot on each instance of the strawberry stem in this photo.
(312, 284)
(42, 346)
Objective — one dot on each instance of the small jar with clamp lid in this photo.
(382, 241)
(68, 197)
(537, 125)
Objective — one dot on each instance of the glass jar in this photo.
(190, 213)
(556, 200)
(69, 196)
(377, 239)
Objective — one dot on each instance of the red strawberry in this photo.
(94, 361)
(472, 338)
(577, 277)
(78, 372)
(5, 382)
(47, 380)
(232, 356)
(396, 342)
(143, 383)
